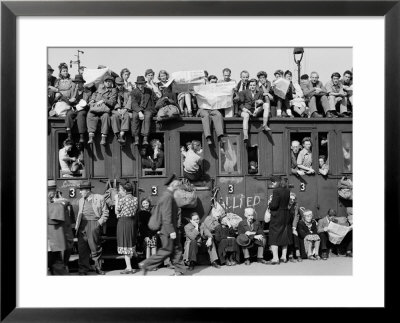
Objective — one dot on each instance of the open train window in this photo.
(252, 159)
(153, 156)
(300, 152)
(70, 157)
(229, 156)
(323, 150)
(347, 145)
(191, 147)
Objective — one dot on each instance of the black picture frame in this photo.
(11, 10)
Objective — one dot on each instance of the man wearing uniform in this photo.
(92, 214)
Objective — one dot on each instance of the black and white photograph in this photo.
(200, 161)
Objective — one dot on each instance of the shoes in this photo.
(317, 257)
(311, 258)
(275, 262)
(315, 115)
(99, 271)
(291, 259)
(209, 141)
(299, 259)
(190, 114)
(83, 273)
(91, 137)
(349, 254)
(143, 267)
(127, 271)
(103, 140)
(324, 255)
(145, 142)
(262, 261)
(215, 265)
(247, 262)
(191, 266)
(177, 273)
(329, 114)
(284, 261)
(347, 114)
(82, 138)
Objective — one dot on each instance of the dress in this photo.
(127, 225)
(280, 226)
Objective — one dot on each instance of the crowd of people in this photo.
(293, 233)
(122, 106)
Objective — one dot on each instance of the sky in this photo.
(323, 60)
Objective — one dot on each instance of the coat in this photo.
(247, 101)
(192, 233)
(304, 230)
(309, 90)
(169, 213)
(207, 228)
(145, 101)
(280, 226)
(99, 207)
(108, 95)
(258, 228)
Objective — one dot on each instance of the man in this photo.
(207, 230)
(192, 165)
(323, 168)
(347, 82)
(120, 119)
(264, 86)
(337, 95)
(315, 94)
(59, 233)
(241, 86)
(208, 115)
(66, 160)
(212, 79)
(251, 104)
(193, 240)
(169, 233)
(149, 75)
(143, 109)
(101, 103)
(251, 232)
(295, 149)
(92, 215)
(304, 159)
(226, 73)
(78, 112)
(323, 232)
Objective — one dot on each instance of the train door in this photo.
(304, 186)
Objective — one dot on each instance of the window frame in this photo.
(239, 159)
(141, 169)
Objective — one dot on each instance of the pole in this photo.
(298, 71)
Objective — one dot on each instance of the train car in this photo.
(227, 168)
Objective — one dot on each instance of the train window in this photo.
(191, 147)
(70, 157)
(323, 158)
(229, 156)
(252, 159)
(301, 153)
(152, 156)
(347, 152)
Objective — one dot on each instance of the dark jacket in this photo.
(304, 231)
(84, 95)
(169, 213)
(109, 95)
(244, 226)
(238, 89)
(280, 200)
(143, 101)
(309, 90)
(223, 232)
(247, 101)
(122, 99)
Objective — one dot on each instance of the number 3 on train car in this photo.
(154, 190)
(302, 187)
(230, 189)
(72, 192)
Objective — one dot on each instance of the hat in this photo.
(101, 66)
(78, 78)
(49, 68)
(119, 81)
(243, 240)
(140, 80)
(148, 71)
(51, 184)
(108, 77)
(85, 185)
(276, 178)
(62, 65)
(170, 179)
(278, 72)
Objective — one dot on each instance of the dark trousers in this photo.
(193, 251)
(282, 104)
(55, 263)
(169, 248)
(345, 245)
(93, 119)
(79, 117)
(120, 122)
(146, 123)
(89, 244)
(216, 117)
(295, 246)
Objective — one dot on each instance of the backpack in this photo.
(155, 219)
(168, 112)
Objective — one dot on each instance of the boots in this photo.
(103, 140)
(91, 137)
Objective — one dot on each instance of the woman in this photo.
(167, 95)
(125, 73)
(125, 209)
(147, 237)
(280, 234)
(64, 84)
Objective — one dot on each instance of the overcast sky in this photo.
(323, 60)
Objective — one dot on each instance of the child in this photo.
(228, 250)
(308, 231)
(148, 236)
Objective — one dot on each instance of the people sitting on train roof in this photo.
(241, 86)
(298, 103)
(212, 79)
(252, 104)
(125, 74)
(264, 86)
(251, 234)
(193, 240)
(337, 96)
(347, 82)
(253, 167)
(279, 101)
(167, 95)
(304, 159)
(323, 168)
(345, 246)
(192, 165)
(315, 95)
(151, 84)
(64, 83)
(294, 153)
(228, 249)
(101, 103)
(79, 108)
(143, 101)
(226, 77)
(207, 230)
(120, 119)
(51, 89)
(69, 165)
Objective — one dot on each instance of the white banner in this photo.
(94, 76)
(215, 95)
(184, 81)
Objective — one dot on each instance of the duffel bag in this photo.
(168, 112)
(99, 108)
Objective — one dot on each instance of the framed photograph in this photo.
(114, 66)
